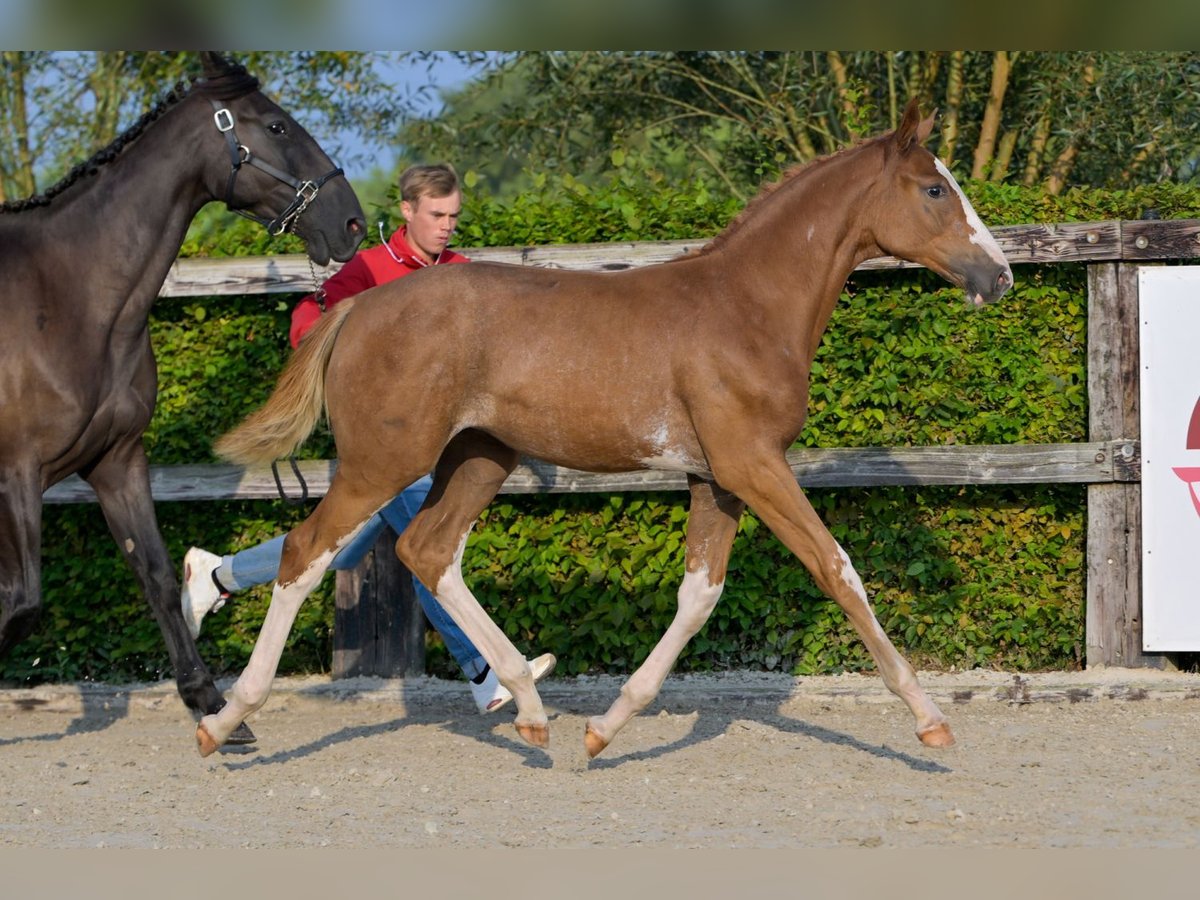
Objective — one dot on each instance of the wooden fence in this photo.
(375, 634)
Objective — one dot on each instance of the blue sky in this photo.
(446, 72)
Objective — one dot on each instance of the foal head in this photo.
(272, 170)
(924, 217)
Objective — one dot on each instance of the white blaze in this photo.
(979, 232)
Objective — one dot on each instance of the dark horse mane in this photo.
(229, 84)
(788, 175)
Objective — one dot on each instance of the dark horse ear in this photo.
(913, 130)
(214, 63)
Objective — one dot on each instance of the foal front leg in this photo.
(770, 489)
(712, 524)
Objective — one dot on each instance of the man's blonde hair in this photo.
(436, 181)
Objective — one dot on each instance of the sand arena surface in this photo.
(1104, 758)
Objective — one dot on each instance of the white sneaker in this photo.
(200, 594)
(490, 694)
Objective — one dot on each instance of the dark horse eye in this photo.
(277, 128)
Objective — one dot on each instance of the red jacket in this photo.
(375, 265)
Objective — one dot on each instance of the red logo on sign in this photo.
(1191, 474)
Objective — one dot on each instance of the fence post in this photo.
(1114, 511)
(378, 625)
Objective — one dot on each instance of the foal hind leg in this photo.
(308, 551)
(469, 474)
(766, 483)
(712, 524)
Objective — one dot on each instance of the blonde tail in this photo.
(296, 404)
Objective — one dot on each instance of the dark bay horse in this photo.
(700, 364)
(81, 265)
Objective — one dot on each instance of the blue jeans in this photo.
(260, 565)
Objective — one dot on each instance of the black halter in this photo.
(240, 155)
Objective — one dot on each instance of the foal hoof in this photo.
(535, 735)
(938, 735)
(593, 742)
(205, 741)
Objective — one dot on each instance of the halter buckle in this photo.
(224, 119)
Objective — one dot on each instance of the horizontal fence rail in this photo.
(1062, 243)
(1085, 463)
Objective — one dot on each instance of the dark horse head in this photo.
(274, 172)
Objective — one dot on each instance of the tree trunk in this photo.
(1138, 160)
(841, 85)
(21, 174)
(922, 73)
(893, 115)
(1061, 168)
(954, 89)
(1004, 155)
(1037, 146)
(107, 86)
(985, 147)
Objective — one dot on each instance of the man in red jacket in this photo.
(430, 202)
(431, 216)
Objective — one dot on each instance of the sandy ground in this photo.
(1098, 759)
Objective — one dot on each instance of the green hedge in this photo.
(959, 576)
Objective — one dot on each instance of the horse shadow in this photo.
(102, 711)
(765, 710)
(563, 708)
(99, 712)
(342, 735)
(417, 712)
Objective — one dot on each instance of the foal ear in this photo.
(926, 127)
(913, 130)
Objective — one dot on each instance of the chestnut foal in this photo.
(700, 364)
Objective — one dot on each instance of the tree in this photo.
(1039, 118)
(57, 108)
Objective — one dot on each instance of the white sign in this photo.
(1169, 298)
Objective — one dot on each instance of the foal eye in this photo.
(277, 128)
(935, 191)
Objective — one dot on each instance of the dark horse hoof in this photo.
(241, 735)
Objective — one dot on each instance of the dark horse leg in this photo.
(20, 555)
(121, 480)
(712, 524)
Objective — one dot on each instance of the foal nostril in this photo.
(1003, 282)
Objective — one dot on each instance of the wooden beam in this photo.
(1114, 531)
(1100, 462)
(1022, 244)
(378, 624)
